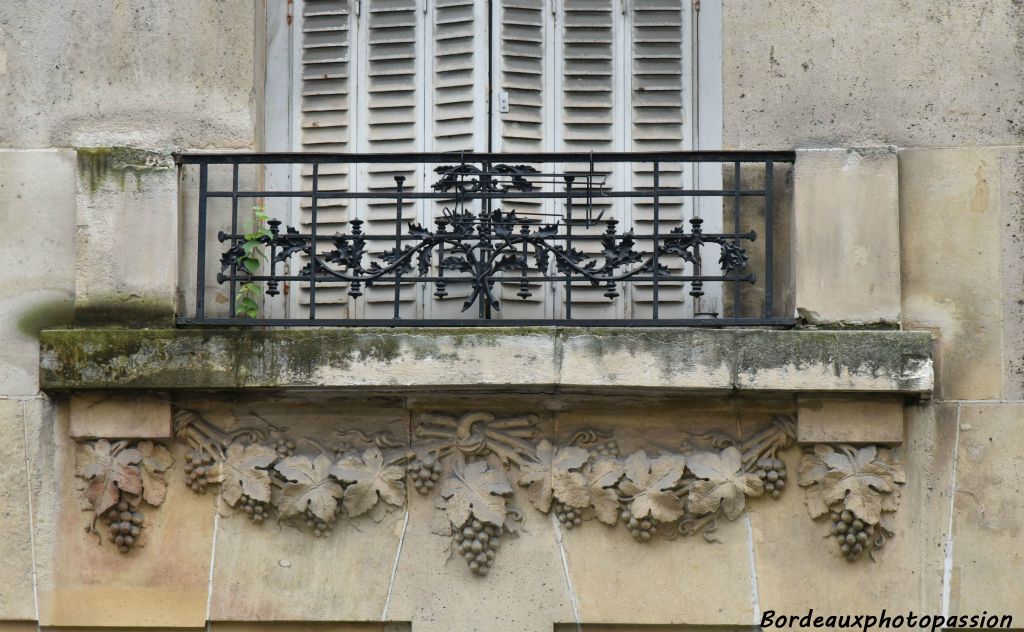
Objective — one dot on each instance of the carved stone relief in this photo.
(472, 465)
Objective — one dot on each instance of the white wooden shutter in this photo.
(411, 76)
(658, 114)
(325, 123)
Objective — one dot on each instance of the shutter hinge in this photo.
(696, 5)
(290, 10)
(357, 6)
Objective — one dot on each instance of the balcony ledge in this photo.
(542, 359)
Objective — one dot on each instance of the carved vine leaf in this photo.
(241, 472)
(860, 480)
(812, 471)
(310, 487)
(369, 479)
(108, 470)
(475, 489)
(601, 475)
(553, 473)
(156, 459)
(723, 483)
(652, 483)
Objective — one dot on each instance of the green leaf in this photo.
(251, 265)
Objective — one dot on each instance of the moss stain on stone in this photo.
(97, 164)
(46, 315)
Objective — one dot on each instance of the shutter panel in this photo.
(325, 126)
(458, 73)
(589, 123)
(657, 113)
(393, 94)
(520, 43)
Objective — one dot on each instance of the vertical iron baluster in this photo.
(736, 229)
(657, 208)
(201, 245)
(234, 232)
(568, 241)
(312, 244)
(769, 229)
(399, 186)
(484, 309)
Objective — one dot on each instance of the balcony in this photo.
(638, 274)
(458, 240)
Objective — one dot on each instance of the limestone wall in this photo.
(95, 96)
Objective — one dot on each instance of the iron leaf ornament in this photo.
(472, 464)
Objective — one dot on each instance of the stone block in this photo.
(846, 249)
(95, 69)
(97, 415)
(799, 568)
(988, 544)
(19, 626)
(1011, 177)
(126, 253)
(17, 593)
(950, 226)
(681, 581)
(857, 421)
(37, 278)
(82, 579)
(808, 72)
(304, 626)
(276, 572)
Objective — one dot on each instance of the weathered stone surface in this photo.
(831, 420)
(305, 626)
(17, 594)
(509, 358)
(19, 626)
(617, 580)
(526, 590)
(95, 415)
(94, 68)
(127, 203)
(275, 572)
(85, 582)
(950, 220)
(799, 568)
(846, 249)
(807, 72)
(1011, 177)
(988, 545)
(37, 279)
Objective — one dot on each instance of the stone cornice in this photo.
(510, 359)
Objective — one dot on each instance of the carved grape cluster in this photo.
(478, 544)
(124, 526)
(424, 473)
(199, 471)
(773, 472)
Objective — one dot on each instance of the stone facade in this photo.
(906, 210)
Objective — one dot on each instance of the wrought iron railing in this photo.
(551, 226)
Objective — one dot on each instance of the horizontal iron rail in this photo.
(477, 322)
(227, 158)
(576, 194)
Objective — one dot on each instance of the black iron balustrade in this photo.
(479, 238)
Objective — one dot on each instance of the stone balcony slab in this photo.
(540, 359)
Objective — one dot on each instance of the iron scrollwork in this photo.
(480, 248)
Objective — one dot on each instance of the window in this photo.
(401, 76)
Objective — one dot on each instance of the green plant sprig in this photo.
(249, 263)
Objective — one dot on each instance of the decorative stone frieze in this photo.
(472, 464)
